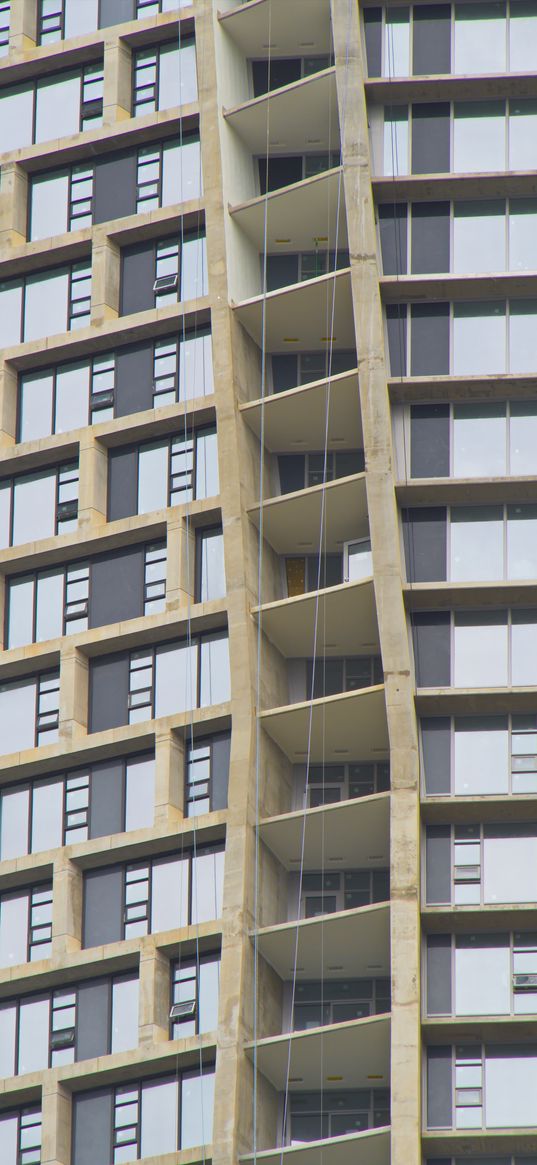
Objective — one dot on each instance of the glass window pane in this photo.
(396, 140)
(523, 438)
(9, 1135)
(479, 339)
(17, 715)
(181, 172)
(50, 195)
(479, 136)
(153, 478)
(523, 234)
(213, 577)
(36, 405)
(479, 237)
(178, 82)
(207, 885)
(197, 1102)
(521, 542)
(159, 1117)
(16, 117)
(34, 507)
(522, 35)
(72, 397)
(13, 929)
(33, 1035)
(176, 679)
(139, 794)
(8, 1029)
(523, 335)
(14, 823)
(57, 108)
(10, 313)
(482, 976)
(195, 368)
(49, 620)
(479, 440)
(169, 899)
(480, 651)
(45, 309)
(193, 268)
(509, 866)
(480, 38)
(207, 484)
(524, 649)
(209, 978)
(20, 612)
(125, 1014)
(214, 670)
(510, 1087)
(80, 18)
(47, 816)
(397, 43)
(476, 543)
(481, 758)
(522, 135)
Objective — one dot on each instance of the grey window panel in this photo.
(432, 39)
(291, 469)
(284, 373)
(137, 278)
(396, 326)
(438, 864)
(134, 380)
(282, 270)
(108, 692)
(429, 441)
(122, 483)
(115, 12)
(103, 906)
(220, 771)
(430, 138)
(429, 338)
(424, 535)
(393, 238)
(430, 237)
(93, 1019)
(281, 172)
(107, 799)
(439, 974)
(436, 750)
(439, 1088)
(92, 1127)
(281, 72)
(115, 186)
(431, 638)
(373, 40)
(117, 586)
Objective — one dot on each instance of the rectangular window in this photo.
(26, 925)
(168, 173)
(195, 985)
(20, 1137)
(178, 676)
(206, 774)
(61, 19)
(5, 12)
(177, 470)
(61, 201)
(315, 1116)
(165, 77)
(482, 974)
(343, 890)
(53, 302)
(29, 710)
(211, 577)
(155, 578)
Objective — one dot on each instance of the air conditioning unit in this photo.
(525, 982)
(185, 1010)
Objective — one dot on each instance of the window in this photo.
(485, 755)
(180, 269)
(177, 470)
(285, 269)
(26, 925)
(51, 107)
(155, 578)
(306, 470)
(490, 864)
(338, 1001)
(195, 985)
(358, 561)
(396, 140)
(327, 784)
(177, 677)
(29, 712)
(165, 77)
(311, 572)
(153, 7)
(492, 974)
(314, 1116)
(45, 304)
(478, 440)
(20, 1137)
(206, 774)
(169, 173)
(211, 577)
(327, 676)
(5, 12)
(284, 170)
(328, 893)
(60, 19)
(38, 505)
(481, 640)
(291, 371)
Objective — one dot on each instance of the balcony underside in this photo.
(349, 832)
(297, 523)
(301, 217)
(345, 617)
(369, 1148)
(351, 944)
(297, 419)
(345, 1055)
(300, 118)
(302, 317)
(335, 729)
(289, 25)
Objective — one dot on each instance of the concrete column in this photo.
(154, 996)
(117, 82)
(56, 1117)
(106, 264)
(93, 468)
(8, 404)
(169, 778)
(22, 26)
(383, 522)
(13, 206)
(66, 907)
(74, 690)
(181, 564)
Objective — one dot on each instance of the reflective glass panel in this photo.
(10, 313)
(170, 892)
(524, 648)
(33, 1034)
(482, 975)
(509, 865)
(36, 405)
(49, 605)
(47, 815)
(479, 339)
(479, 237)
(522, 542)
(195, 367)
(16, 117)
(480, 38)
(397, 43)
(21, 611)
(209, 979)
(8, 1036)
(13, 929)
(523, 234)
(181, 172)
(57, 108)
(34, 507)
(139, 793)
(45, 305)
(523, 335)
(207, 884)
(480, 651)
(213, 578)
(197, 1101)
(479, 136)
(17, 715)
(476, 543)
(50, 194)
(125, 994)
(153, 477)
(214, 670)
(176, 680)
(396, 140)
(522, 135)
(15, 806)
(479, 440)
(523, 438)
(522, 35)
(207, 483)
(510, 1087)
(72, 397)
(159, 1117)
(81, 17)
(481, 757)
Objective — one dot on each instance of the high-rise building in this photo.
(268, 563)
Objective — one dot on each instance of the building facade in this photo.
(268, 529)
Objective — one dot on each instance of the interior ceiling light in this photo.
(290, 339)
(282, 240)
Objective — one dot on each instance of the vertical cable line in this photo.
(322, 536)
(259, 644)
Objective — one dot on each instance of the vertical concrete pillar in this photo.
(66, 907)
(169, 778)
(154, 996)
(105, 276)
(13, 205)
(56, 1118)
(74, 691)
(181, 564)
(117, 82)
(93, 469)
(383, 524)
(22, 26)
(8, 404)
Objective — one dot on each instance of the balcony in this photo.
(337, 832)
(351, 1053)
(367, 1148)
(354, 943)
(301, 116)
(292, 522)
(298, 318)
(348, 616)
(248, 25)
(299, 214)
(332, 729)
(297, 418)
